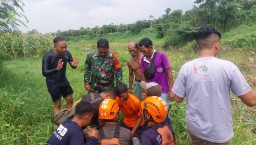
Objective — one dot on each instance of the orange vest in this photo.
(166, 135)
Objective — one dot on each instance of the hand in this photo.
(60, 64)
(144, 95)
(92, 132)
(74, 63)
(130, 90)
(171, 96)
(133, 131)
(87, 87)
(254, 81)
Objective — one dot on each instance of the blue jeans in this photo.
(165, 97)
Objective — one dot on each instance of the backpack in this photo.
(166, 134)
(110, 141)
(64, 114)
(149, 71)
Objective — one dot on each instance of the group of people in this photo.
(205, 82)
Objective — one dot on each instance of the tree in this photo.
(139, 26)
(10, 14)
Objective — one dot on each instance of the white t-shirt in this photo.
(206, 83)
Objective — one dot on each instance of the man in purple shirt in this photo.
(70, 132)
(162, 68)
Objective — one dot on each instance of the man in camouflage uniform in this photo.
(101, 67)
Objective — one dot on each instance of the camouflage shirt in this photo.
(100, 71)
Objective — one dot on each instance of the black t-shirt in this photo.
(50, 61)
(69, 133)
(95, 99)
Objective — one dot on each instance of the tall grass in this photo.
(24, 45)
(241, 37)
(26, 106)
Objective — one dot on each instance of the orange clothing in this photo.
(131, 110)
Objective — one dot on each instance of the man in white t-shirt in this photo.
(206, 83)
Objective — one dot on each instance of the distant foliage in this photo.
(177, 27)
(245, 41)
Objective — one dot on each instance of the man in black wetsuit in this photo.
(54, 69)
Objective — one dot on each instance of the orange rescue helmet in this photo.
(156, 107)
(108, 109)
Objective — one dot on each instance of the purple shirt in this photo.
(161, 63)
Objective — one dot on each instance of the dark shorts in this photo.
(59, 89)
(137, 133)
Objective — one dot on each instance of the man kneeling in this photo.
(157, 132)
(70, 132)
(110, 132)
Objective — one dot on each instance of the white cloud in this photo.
(52, 15)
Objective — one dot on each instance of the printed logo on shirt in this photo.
(159, 69)
(202, 70)
(60, 132)
(159, 139)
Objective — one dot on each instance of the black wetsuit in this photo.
(56, 81)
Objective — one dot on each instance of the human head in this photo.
(84, 112)
(146, 47)
(122, 92)
(109, 93)
(108, 110)
(154, 109)
(103, 47)
(208, 39)
(133, 48)
(150, 89)
(60, 45)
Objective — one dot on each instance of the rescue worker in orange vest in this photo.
(110, 132)
(157, 132)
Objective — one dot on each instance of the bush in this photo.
(22, 45)
(244, 41)
(173, 40)
(190, 47)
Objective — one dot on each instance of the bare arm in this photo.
(250, 98)
(176, 98)
(131, 77)
(74, 104)
(137, 124)
(170, 78)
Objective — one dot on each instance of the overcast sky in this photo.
(52, 15)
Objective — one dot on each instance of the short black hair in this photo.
(57, 39)
(111, 91)
(146, 42)
(102, 43)
(83, 108)
(206, 32)
(207, 37)
(121, 88)
(137, 46)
